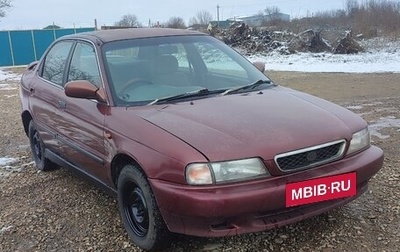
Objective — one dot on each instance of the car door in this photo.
(81, 128)
(46, 88)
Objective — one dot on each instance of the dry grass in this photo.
(370, 18)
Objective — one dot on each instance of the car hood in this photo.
(257, 124)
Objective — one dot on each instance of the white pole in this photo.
(54, 31)
(218, 15)
(34, 44)
(11, 48)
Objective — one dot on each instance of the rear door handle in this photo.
(62, 104)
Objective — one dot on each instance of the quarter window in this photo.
(84, 65)
(54, 64)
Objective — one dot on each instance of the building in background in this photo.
(259, 20)
(254, 21)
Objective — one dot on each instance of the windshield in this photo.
(143, 70)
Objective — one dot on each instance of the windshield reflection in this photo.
(144, 70)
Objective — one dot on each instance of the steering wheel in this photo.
(133, 83)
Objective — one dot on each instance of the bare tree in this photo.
(352, 6)
(4, 4)
(129, 20)
(176, 22)
(272, 14)
(272, 11)
(202, 18)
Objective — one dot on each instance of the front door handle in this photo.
(62, 104)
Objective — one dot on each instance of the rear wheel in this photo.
(139, 210)
(38, 150)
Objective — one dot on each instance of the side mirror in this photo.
(85, 90)
(260, 66)
(32, 65)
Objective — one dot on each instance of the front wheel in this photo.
(38, 150)
(139, 210)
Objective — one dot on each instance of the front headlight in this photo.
(219, 172)
(360, 140)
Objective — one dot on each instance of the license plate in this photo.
(321, 189)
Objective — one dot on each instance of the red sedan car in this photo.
(190, 136)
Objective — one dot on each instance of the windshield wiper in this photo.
(248, 86)
(199, 92)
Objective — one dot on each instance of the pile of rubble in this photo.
(347, 45)
(257, 40)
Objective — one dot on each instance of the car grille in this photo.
(310, 157)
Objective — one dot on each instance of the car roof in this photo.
(131, 33)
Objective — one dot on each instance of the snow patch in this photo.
(5, 229)
(373, 104)
(332, 63)
(358, 107)
(7, 167)
(380, 57)
(382, 123)
(6, 161)
(11, 96)
(5, 75)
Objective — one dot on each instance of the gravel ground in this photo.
(58, 211)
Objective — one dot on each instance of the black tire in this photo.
(38, 150)
(139, 210)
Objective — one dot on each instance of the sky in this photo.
(29, 14)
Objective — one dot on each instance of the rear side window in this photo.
(55, 61)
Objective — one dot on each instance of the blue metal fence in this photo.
(23, 47)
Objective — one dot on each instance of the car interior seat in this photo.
(166, 72)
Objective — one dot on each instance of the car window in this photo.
(218, 62)
(55, 61)
(84, 64)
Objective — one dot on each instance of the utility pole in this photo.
(218, 15)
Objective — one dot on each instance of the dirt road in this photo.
(57, 211)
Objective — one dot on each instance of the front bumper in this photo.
(253, 206)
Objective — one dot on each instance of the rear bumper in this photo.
(253, 206)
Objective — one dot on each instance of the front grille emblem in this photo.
(311, 156)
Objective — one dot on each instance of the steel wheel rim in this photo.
(37, 147)
(135, 209)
